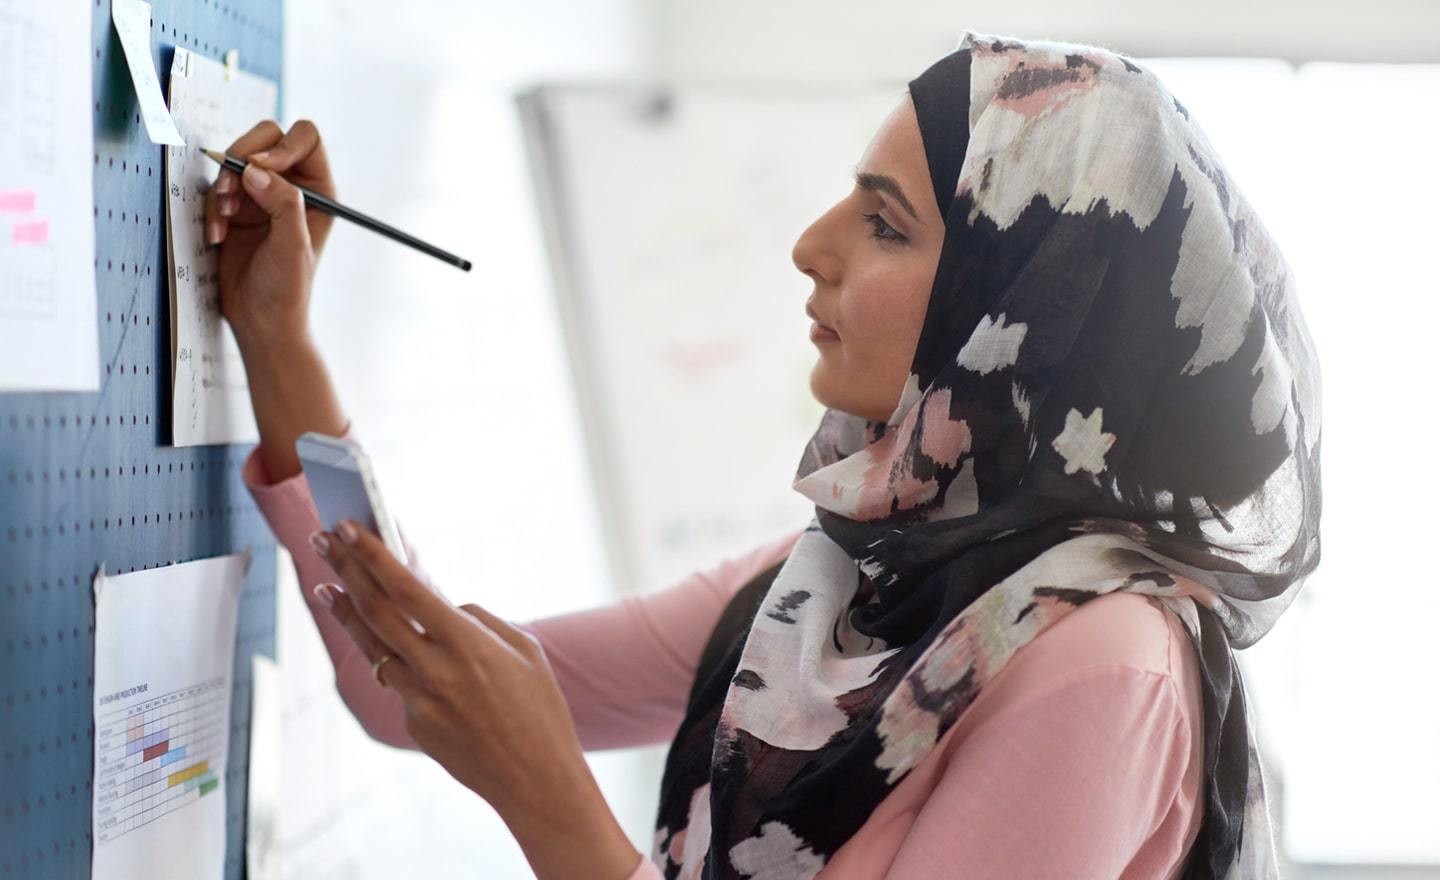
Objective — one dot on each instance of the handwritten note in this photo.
(48, 336)
(211, 397)
(132, 23)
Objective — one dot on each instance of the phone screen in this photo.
(341, 482)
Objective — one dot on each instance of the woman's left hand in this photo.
(480, 698)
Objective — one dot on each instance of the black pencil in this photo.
(330, 206)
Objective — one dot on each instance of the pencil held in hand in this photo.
(330, 206)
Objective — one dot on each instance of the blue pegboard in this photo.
(86, 478)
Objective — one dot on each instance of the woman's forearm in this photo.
(291, 393)
(571, 833)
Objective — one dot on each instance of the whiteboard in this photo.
(670, 215)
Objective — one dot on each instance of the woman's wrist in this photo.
(291, 393)
(270, 346)
(573, 834)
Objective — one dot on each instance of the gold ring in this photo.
(375, 670)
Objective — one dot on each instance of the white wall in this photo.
(861, 41)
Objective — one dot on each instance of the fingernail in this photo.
(348, 534)
(326, 593)
(227, 206)
(260, 156)
(212, 232)
(320, 543)
(257, 177)
(225, 183)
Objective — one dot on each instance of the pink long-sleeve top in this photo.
(1081, 759)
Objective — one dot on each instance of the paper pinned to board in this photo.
(164, 655)
(211, 396)
(132, 23)
(49, 340)
(262, 831)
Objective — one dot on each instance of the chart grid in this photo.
(158, 756)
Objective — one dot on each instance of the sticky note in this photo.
(132, 23)
(17, 201)
(31, 232)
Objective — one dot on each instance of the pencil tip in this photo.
(216, 155)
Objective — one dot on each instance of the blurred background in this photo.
(630, 177)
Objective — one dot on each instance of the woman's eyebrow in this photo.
(886, 184)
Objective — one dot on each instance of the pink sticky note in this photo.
(31, 232)
(16, 201)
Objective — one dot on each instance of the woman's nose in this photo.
(813, 256)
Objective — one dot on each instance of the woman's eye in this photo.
(880, 227)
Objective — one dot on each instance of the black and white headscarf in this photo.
(1113, 389)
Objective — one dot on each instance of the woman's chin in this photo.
(818, 385)
(823, 386)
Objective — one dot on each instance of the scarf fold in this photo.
(1113, 389)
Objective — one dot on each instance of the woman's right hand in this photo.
(269, 241)
(269, 244)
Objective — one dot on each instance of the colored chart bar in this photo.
(156, 751)
(189, 773)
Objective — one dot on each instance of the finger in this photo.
(512, 635)
(377, 609)
(263, 136)
(215, 222)
(225, 196)
(300, 153)
(240, 210)
(282, 203)
(227, 183)
(395, 673)
(409, 593)
(400, 676)
(338, 601)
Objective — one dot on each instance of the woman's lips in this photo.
(820, 333)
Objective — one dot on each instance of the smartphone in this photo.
(342, 482)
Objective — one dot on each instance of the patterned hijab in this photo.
(1113, 389)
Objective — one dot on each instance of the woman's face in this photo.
(873, 273)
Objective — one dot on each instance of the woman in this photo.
(1003, 645)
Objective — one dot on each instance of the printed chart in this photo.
(164, 659)
(158, 756)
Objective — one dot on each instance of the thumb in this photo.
(280, 199)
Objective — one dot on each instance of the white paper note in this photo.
(262, 832)
(48, 336)
(132, 23)
(211, 401)
(164, 651)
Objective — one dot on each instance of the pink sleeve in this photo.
(289, 509)
(1066, 783)
(626, 668)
